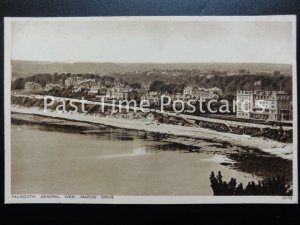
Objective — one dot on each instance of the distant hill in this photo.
(28, 68)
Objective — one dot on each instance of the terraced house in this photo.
(264, 105)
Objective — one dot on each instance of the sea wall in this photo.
(278, 134)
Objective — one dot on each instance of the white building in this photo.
(32, 86)
(204, 93)
(95, 89)
(264, 105)
(51, 86)
(244, 101)
(188, 91)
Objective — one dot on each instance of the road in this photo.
(188, 117)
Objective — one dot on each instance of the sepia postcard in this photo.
(151, 110)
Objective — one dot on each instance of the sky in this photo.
(152, 41)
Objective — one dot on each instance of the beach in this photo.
(179, 134)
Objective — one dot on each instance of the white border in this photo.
(144, 199)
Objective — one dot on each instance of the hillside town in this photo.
(277, 104)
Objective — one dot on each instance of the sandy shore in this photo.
(282, 150)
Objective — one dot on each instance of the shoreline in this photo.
(283, 150)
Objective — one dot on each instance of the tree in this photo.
(18, 84)
(158, 86)
(135, 85)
